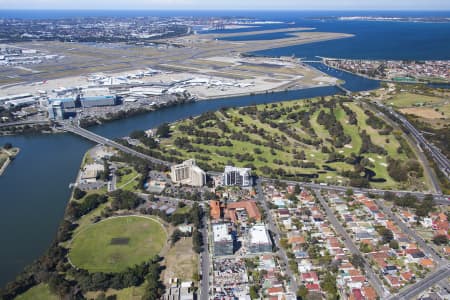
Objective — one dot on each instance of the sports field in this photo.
(117, 243)
(403, 100)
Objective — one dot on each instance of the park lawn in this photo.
(38, 292)
(86, 220)
(91, 248)
(131, 293)
(87, 159)
(406, 99)
(381, 171)
(182, 210)
(319, 129)
(445, 108)
(181, 262)
(376, 138)
(129, 181)
(332, 178)
(350, 130)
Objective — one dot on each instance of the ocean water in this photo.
(375, 40)
(34, 189)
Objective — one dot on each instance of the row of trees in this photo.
(334, 127)
(125, 200)
(100, 281)
(77, 209)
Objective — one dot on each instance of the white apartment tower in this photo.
(237, 176)
(188, 173)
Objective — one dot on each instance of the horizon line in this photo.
(228, 9)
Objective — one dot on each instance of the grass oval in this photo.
(114, 244)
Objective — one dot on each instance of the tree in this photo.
(254, 292)
(440, 239)
(163, 130)
(176, 236)
(349, 192)
(394, 244)
(78, 194)
(357, 260)
(137, 134)
(302, 292)
(329, 284)
(425, 207)
(386, 235)
(124, 200)
(389, 196)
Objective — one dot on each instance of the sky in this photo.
(230, 4)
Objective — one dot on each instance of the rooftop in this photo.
(258, 234)
(220, 232)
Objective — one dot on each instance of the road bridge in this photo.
(346, 91)
(438, 198)
(105, 141)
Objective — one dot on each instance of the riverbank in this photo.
(6, 156)
(393, 71)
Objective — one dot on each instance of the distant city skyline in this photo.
(230, 4)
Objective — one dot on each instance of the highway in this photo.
(438, 198)
(276, 237)
(429, 172)
(370, 274)
(410, 292)
(441, 160)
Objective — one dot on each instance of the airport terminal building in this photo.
(97, 97)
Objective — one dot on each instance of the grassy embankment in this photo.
(429, 113)
(39, 292)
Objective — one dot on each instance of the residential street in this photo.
(373, 278)
(276, 237)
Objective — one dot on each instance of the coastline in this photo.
(427, 82)
(8, 160)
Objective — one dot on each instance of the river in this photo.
(34, 188)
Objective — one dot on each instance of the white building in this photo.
(188, 173)
(259, 239)
(237, 176)
(223, 241)
(55, 111)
